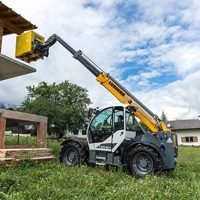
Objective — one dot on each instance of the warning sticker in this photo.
(169, 140)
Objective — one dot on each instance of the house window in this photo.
(75, 132)
(83, 132)
(189, 139)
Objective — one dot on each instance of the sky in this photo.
(151, 47)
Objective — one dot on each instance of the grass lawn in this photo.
(53, 180)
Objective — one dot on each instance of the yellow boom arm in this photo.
(151, 121)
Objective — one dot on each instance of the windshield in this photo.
(109, 121)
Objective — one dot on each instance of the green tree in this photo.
(64, 104)
(163, 117)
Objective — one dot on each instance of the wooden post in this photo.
(2, 131)
(42, 135)
(1, 33)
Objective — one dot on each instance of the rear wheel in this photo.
(73, 154)
(144, 160)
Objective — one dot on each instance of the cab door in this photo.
(125, 132)
(119, 127)
(100, 131)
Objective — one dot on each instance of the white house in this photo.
(188, 131)
(78, 133)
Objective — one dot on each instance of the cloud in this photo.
(179, 99)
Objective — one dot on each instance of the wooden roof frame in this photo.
(10, 23)
(13, 22)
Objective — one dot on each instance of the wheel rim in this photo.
(142, 163)
(70, 156)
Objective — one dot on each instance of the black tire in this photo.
(73, 154)
(143, 160)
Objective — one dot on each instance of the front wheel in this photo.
(73, 154)
(143, 160)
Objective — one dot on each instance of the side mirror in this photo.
(131, 109)
(90, 111)
(85, 126)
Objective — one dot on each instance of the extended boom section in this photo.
(141, 111)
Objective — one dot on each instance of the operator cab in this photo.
(110, 126)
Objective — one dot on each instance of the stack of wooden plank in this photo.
(12, 157)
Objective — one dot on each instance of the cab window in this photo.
(101, 126)
(130, 122)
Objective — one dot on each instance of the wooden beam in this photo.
(1, 33)
(42, 135)
(23, 24)
(11, 17)
(10, 26)
(2, 131)
(5, 11)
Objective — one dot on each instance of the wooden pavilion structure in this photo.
(13, 23)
